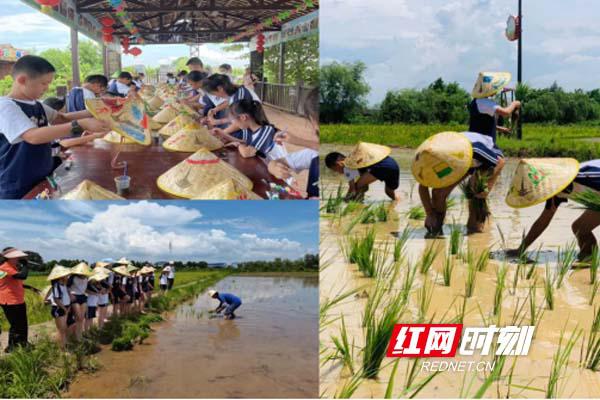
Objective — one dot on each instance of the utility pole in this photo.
(519, 70)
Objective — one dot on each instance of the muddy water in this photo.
(270, 350)
(571, 301)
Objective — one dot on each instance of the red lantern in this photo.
(107, 30)
(107, 21)
(47, 5)
(136, 51)
(107, 38)
(260, 43)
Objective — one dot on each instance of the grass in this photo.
(334, 201)
(594, 264)
(549, 288)
(382, 312)
(482, 260)
(408, 281)
(424, 296)
(456, 238)
(499, 291)
(374, 263)
(535, 312)
(560, 362)
(427, 259)
(447, 270)
(564, 262)
(539, 140)
(327, 304)
(593, 291)
(416, 212)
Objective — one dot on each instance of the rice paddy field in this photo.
(378, 270)
(539, 140)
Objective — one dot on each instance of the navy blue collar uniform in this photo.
(480, 122)
(243, 93)
(386, 170)
(24, 165)
(263, 140)
(75, 100)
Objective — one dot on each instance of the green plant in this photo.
(593, 291)
(535, 313)
(594, 263)
(417, 212)
(356, 246)
(349, 387)
(456, 238)
(400, 243)
(334, 201)
(549, 288)
(589, 199)
(592, 350)
(375, 263)
(424, 296)
(471, 277)
(478, 184)
(428, 257)
(565, 260)
(408, 281)
(560, 362)
(344, 349)
(483, 260)
(327, 303)
(448, 269)
(499, 291)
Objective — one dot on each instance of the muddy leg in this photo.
(582, 228)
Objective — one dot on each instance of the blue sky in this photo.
(409, 43)
(26, 28)
(213, 231)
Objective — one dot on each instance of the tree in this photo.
(343, 91)
(5, 85)
(301, 61)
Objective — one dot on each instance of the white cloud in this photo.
(30, 22)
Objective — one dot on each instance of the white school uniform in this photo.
(79, 286)
(59, 291)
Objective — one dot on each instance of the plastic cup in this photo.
(123, 182)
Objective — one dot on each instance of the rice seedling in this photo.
(494, 376)
(456, 238)
(427, 259)
(594, 264)
(400, 243)
(350, 386)
(354, 246)
(461, 311)
(589, 199)
(326, 304)
(408, 281)
(471, 188)
(592, 350)
(450, 203)
(344, 350)
(417, 213)
(594, 291)
(448, 269)
(499, 291)
(381, 212)
(424, 296)
(351, 207)
(516, 275)
(334, 201)
(374, 263)
(483, 260)
(378, 327)
(549, 288)
(471, 277)
(389, 390)
(536, 259)
(502, 238)
(565, 260)
(560, 362)
(535, 313)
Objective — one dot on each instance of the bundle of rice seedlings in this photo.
(417, 212)
(351, 207)
(456, 238)
(400, 244)
(428, 257)
(589, 199)
(378, 327)
(355, 246)
(565, 260)
(471, 188)
(381, 212)
(334, 201)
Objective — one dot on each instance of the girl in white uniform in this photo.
(77, 287)
(60, 301)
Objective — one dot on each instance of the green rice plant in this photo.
(374, 263)
(448, 269)
(344, 349)
(389, 389)
(450, 203)
(483, 260)
(377, 328)
(428, 257)
(424, 296)
(357, 246)
(499, 291)
(516, 276)
(417, 213)
(593, 291)
(400, 243)
(565, 260)
(494, 376)
(381, 212)
(589, 199)
(471, 277)
(456, 238)
(535, 313)
(560, 362)
(334, 201)
(327, 304)
(471, 188)
(592, 349)
(536, 260)
(549, 288)
(594, 264)
(408, 281)
(350, 208)
(461, 311)
(349, 387)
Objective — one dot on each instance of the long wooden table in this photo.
(144, 164)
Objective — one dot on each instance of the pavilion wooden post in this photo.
(75, 57)
(105, 66)
(281, 74)
(520, 69)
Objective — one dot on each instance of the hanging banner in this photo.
(85, 23)
(302, 27)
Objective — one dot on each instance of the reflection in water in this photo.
(270, 350)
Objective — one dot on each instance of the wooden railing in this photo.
(284, 97)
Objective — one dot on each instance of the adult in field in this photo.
(555, 181)
(13, 272)
(171, 276)
(227, 302)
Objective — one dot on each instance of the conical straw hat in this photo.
(122, 270)
(539, 179)
(131, 268)
(198, 173)
(123, 261)
(102, 264)
(103, 269)
(58, 272)
(98, 276)
(126, 117)
(490, 83)
(114, 137)
(155, 103)
(442, 160)
(366, 154)
(82, 269)
(166, 115)
(191, 140)
(88, 190)
(180, 122)
(184, 109)
(228, 190)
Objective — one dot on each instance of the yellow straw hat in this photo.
(539, 179)
(58, 272)
(442, 160)
(99, 276)
(166, 115)
(126, 116)
(155, 103)
(131, 268)
(228, 190)
(88, 190)
(123, 261)
(180, 122)
(199, 172)
(155, 126)
(490, 83)
(122, 270)
(114, 137)
(191, 140)
(366, 154)
(82, 269)
(184, 109)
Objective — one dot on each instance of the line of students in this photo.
(473, 158)
(80, 297)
